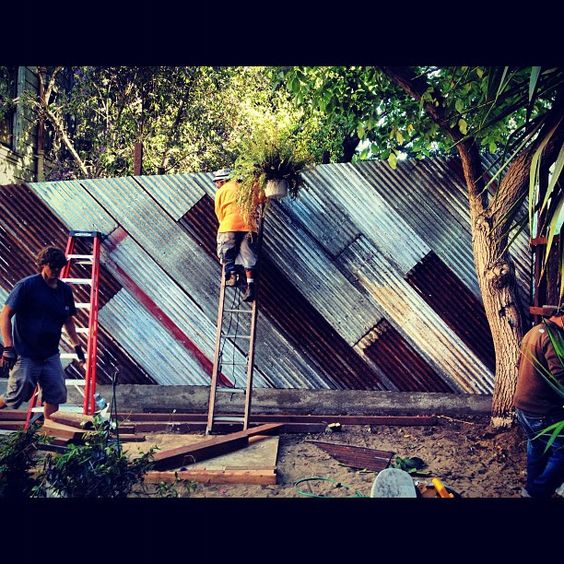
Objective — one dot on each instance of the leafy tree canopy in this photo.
(497, 106)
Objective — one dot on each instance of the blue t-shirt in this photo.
(40, 312)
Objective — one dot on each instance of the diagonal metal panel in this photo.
(145, 339)
(416, 321)
(175, 193)
(342, 185)
(288, 244)
(74, 207)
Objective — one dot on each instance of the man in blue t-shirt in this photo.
(40, 305)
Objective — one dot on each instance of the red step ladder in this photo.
(91, 330)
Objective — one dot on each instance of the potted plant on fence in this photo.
(270, 162)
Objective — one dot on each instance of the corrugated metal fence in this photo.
(367, 280)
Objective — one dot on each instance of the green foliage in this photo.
(17, 459)
(166, 490)
(274, 151)
(96, 469)
(7, 90)
(491, 104)
(409, 464)
(557, 340)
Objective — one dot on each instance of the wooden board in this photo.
(12, 415)
(266, 476)
(54, 429)
(255, 464)
(190, 453)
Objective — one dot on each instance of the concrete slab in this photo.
(194, 399)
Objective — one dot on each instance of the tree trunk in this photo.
(489, 222)
(350, 143)
(496, 276)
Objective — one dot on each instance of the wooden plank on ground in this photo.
(255, 464)
(188, 454)
(77, 420)
(131, 438)
(12, 415)
(355, 456)
(12, 425)
(54, 429)
(177, 418)
(265, 476)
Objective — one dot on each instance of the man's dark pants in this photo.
(545, 467)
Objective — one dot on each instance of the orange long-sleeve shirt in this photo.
(228, 212)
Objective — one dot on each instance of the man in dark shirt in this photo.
(40, 305)
(538, 404)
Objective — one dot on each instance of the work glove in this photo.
(9, 358)
(79, 353)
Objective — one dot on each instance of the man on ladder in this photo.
(41, 305)
(238, 240)
(236, 237)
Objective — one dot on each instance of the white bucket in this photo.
(276, 189)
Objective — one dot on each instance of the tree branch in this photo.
(467, 147)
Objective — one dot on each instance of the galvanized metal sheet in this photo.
(74, 206)
(176, 193)
(145, 339)
(319, 214)
(343, 186)
(289, 245)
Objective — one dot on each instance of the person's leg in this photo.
(545, 468)
(53, 388)
(227, 251)
(21, 383)
(249, 255)
(545, 483)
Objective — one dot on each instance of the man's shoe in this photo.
(231, 279)
(250, 293)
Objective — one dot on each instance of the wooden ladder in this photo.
(238, 314)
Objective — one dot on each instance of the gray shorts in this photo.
(27, 373)
(237, 247)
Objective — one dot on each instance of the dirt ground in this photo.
(466, 455)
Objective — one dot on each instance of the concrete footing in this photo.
(194, 399)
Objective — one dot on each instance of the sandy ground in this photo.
(466, 455)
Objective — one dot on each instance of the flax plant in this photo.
(556, 429)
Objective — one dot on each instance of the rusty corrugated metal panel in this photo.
(456, 304)
(284, 307)
(416, 320)
(179, 307)
(401, 362)
(27, 225)
(357, 457)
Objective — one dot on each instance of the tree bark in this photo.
(495, 269)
